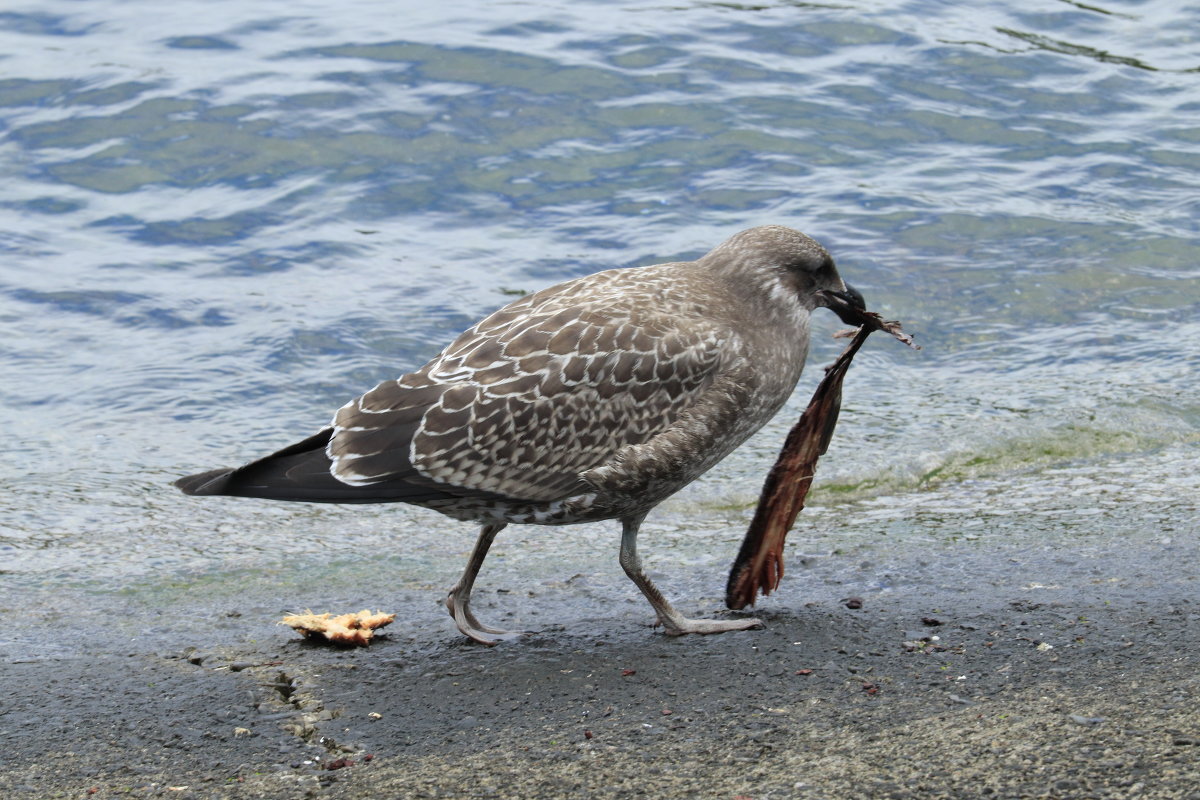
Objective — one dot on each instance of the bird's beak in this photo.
(849, 305)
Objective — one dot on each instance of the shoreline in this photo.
(1056, 672)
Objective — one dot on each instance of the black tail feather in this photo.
(301, 472)
(212, 482)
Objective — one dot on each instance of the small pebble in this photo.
(1081, 720)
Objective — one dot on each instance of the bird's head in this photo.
(790, 267)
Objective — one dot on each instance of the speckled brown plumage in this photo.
(593, 399)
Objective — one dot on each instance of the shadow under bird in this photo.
(591, 400)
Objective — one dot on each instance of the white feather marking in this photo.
(787, 301)
(354, 479)
(354, 456)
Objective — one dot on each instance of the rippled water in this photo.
(219, 220)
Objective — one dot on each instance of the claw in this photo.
(459, 607)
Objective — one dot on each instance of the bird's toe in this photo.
(683, 626)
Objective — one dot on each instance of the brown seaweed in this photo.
(758, 567)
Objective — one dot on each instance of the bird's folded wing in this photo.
(523, 403)
(697, 439)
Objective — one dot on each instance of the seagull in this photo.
(594, 399)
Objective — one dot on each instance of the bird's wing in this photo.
(530, 398)
(702, 434)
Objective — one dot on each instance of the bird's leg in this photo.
(673, 622)
(458, 601)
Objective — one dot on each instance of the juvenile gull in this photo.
(590, 400)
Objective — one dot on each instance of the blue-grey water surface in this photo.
(220, 220)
